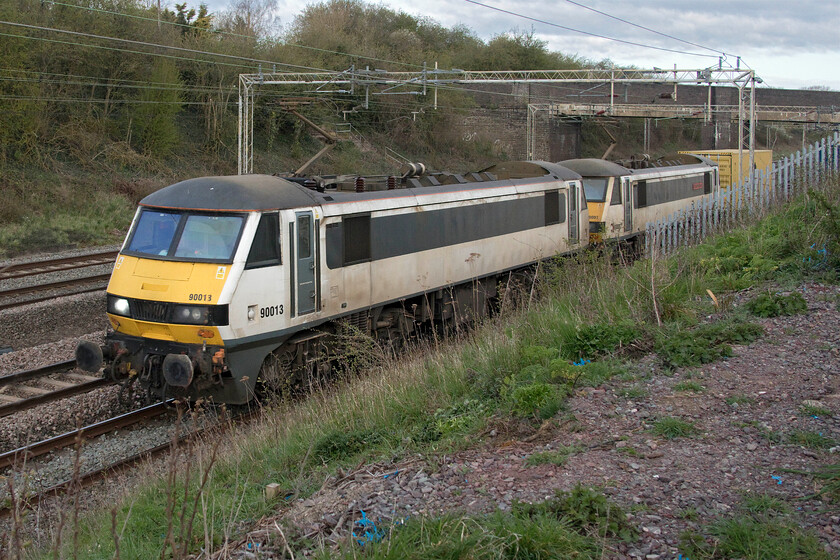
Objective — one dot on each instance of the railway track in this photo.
(20, 455)
(20, 270)
(49, 288)
(36, 386)
(25, 453)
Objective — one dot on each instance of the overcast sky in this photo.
(790, 44)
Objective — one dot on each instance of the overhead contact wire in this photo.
(622, 20)
(588, 33)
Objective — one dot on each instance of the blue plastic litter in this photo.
(778, 479)
(582, 362)
(395, 473)
(823, 253)
(368, 531)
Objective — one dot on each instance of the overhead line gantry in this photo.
(383, 82)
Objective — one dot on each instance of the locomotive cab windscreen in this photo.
(185, 236)
(595, 188)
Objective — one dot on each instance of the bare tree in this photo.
(253, 18)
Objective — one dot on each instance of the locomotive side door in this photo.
(574, 236)
(304, 239)
(627, 195)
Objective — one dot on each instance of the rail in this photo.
(19, 270)
(94, 430)
(47, 288)
(72, 384)
(87, 478)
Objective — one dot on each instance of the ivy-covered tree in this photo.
(155, 116)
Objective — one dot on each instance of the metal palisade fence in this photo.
(758, 193)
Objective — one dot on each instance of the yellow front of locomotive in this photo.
(172, 300)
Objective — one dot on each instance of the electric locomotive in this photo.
(219, 276)
(622, 200)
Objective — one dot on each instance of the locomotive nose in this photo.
(177, 370)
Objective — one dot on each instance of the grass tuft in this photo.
(689, 386)
(812, 440)
(815, 410)
(672, 428)
(739, 400)
(554, 457)
(752, 537)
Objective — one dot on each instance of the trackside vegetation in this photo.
(574, 323)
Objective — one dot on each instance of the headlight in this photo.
(118, 306)
(191, 314)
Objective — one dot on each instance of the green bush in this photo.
(776, 305)
(704, 344)
(460, 417)
(337, 445)
(812, 440)
(828, 477)
(535, 400)
(535, 355)
(501, 535)
(599, 339)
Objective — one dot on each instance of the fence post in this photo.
(673, 226)
(823, 158)
(714, 213)
(730, 208)
(765, 188)
(762, 199)
(657, 246)
(786, 177)
(695, 217)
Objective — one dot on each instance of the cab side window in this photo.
(265, 250)
(615, 199)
